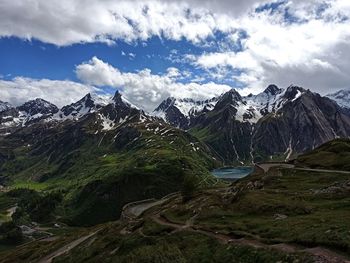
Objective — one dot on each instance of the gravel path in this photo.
(66, 248)
(321, 255)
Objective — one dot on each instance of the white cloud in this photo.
(132, 55)
(314, 53)
(67, 22)
(143, 88)
(20, 89)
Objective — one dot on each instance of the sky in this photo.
(150, 50)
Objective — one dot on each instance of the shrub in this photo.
(189, 186)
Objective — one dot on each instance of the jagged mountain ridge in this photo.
(89, 103)
(39, 110)
(110, 156)
(276, 122)
(292, 121)
(26, 114)
(179, 112)
(183, 112)
(342, 97)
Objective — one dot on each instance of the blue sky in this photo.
(150, 49)
(35, 59)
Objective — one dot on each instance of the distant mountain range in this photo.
(103, 153)
(275, 124)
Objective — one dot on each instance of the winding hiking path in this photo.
(322, 170)
(320, 254)
(137, 210)
(66, 248)
(267, 166)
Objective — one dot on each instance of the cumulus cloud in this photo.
(19, 90)
(313, 53)
(67, 22)
(143, 88)
(297, 41)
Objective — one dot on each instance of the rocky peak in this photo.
(78, 109)
(165, 104)
(293, 92)
(38, 106)
(120, 102)
(4, 106)
(117, 97)
(342, 97)
(231, 97)
(272, 90)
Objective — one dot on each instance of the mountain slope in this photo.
(248, 221)
(180, 112)
(30, 112)
(87, 104)
(331, 155)
(342, 97)
(300, 125)
(274, 124)
(109, 157)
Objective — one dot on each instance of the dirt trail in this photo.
(323, 170)
(320, 254)
(137, 210)
(267, 166)
(66, 248)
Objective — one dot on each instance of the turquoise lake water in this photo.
(231, 173)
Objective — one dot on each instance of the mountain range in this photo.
(277, 123)
(274, 124)
(100, 154)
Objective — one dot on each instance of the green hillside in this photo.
(332, 155)
(98, 172)
(284, 215)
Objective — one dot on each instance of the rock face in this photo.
(115, 154)
(277, 123)
(300, 125)
(82, 107)
(274, 123)
(342, 97)
(181, 112)
(4, 106)
(38, 107)
(30, 112)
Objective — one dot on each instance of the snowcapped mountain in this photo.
(4, 106)
(38, 110)
(252, 108)
(342, 97)
(275, 122)
(238, 128)
(26, 114)
(183, 113)
(178, 112)
(88, 104)
(35, 110)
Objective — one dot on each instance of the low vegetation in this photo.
(332, 155)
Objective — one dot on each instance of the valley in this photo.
(162, 131)
(282, 213)
(105, 174)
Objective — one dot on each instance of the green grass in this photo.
(332, 155)
(98, 174)
(109, 246)
(29, 185)
(312, 218)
